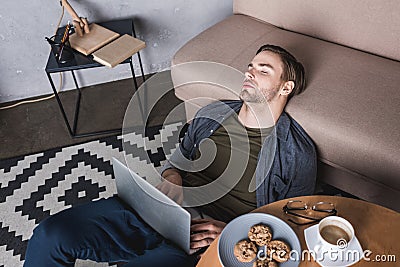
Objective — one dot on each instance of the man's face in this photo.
(263, 78)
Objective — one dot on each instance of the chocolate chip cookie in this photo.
(245, 251)
(260, 234)
(279, 250)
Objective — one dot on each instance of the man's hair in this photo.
(293, 70)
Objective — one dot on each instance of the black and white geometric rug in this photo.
(36, 186)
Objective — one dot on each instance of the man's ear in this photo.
(287, 88)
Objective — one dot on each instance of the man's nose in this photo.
(249, 75)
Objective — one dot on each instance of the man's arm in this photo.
(172, 185)
(173, 175)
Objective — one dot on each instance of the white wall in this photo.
(165, 25)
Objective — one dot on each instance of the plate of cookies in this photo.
(258, 240)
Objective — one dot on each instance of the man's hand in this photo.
(204, 231)
(172, 186)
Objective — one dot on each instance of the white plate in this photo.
(238, 228)
(327, 258)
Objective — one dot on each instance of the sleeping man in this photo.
(108, 230)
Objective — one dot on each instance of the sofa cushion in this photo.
(368, 25)
(350, 107)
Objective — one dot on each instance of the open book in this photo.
(107, 47)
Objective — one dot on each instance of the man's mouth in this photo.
(247, 84)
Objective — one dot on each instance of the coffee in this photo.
(332, 233)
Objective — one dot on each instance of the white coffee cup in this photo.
(334, 233)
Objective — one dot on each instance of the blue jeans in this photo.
(103, 231)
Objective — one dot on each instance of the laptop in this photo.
(156, 209)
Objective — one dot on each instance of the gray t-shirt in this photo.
(245, 140)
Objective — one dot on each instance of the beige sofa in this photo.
(351, 106)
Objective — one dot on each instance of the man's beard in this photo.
(258, 96)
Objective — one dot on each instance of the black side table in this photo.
(80, 61)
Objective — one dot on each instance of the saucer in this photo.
(328, 258)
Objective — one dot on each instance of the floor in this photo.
(35, 127)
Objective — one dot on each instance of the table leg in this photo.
(77, 103)
(72, 131)
(138, 53)
(60, 104)
(136, 92)
(143, 78)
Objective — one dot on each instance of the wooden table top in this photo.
(377, 229)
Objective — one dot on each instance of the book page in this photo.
(90, 42)
(118, 50)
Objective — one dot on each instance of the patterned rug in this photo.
(36, 186)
